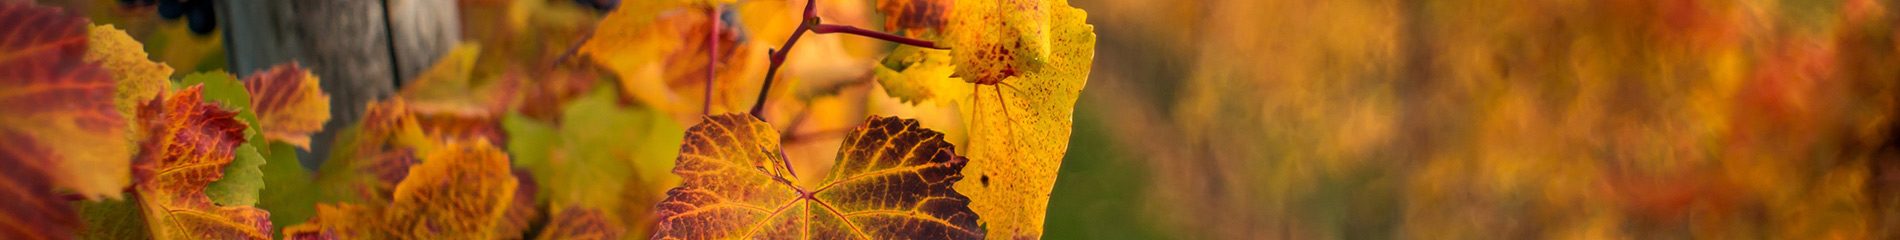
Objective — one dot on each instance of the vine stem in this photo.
(848, 29)
(811, 23)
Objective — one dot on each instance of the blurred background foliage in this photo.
(1293, 119)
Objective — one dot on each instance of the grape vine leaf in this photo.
(242, 178)
(462, 191)
(892, 180)
(59, 108)
(287, 103)
(190, 145)
(915, 17)
(1017, 141)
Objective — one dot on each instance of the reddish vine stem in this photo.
(848, 29)
(812, 24)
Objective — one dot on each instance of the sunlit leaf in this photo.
(1020, 127)
(916, 75)
(191, 143)
(892, 180)
(994, 40)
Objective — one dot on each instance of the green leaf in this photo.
(242, 179)
(112, 219)
(290, 193)
(602, 155)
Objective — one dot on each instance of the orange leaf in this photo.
(462, 191)
(288, 104)
(62, 104)
(660, 52)
(892, 181)
(191, 142)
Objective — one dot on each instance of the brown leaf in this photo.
(288, 104)
(892, 181)
(191, 142)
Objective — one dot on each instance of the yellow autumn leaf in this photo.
(1020, 126)
(994, 40)
(190, 145)
(138, 78)
(915, 75)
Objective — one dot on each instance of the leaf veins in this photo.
(892, 180)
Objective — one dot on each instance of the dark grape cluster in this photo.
(197, 13)
(601, 5)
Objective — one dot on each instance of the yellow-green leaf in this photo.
(916, 75)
